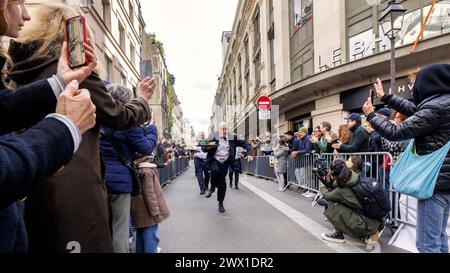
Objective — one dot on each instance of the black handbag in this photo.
(136, 180)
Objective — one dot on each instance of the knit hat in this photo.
(303, 129)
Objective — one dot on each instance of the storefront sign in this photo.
(355, 98)
(367, 43)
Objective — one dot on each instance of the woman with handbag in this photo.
(118, 150)
(424, 169)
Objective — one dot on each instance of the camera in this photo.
(321, 170)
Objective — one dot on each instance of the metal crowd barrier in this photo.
(177, 167)
(259, 167)
(300, 174)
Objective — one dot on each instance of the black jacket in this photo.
(429, 117)
(233, 141)
(39, 152)
(32, 157)
(25, 106)
(375, 144)
(359, 142)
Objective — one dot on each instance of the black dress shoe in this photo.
(236, 187)
(221, 208)
(208, 194)
(202, 192)
(231, 185)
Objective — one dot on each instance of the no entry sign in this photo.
(264, 103)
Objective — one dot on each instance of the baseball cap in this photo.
(354, 116)
(385, 112)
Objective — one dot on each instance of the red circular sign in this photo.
(264, 103)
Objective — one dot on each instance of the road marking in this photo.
(304, 221)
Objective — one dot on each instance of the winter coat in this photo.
(149, 208)
(291, 144)
(118, 177)
(281, 154)
(322, 146)
(303, 145)
(429, 117)
(375, 144)
(344, 213)
(358, 143)
(72, 205)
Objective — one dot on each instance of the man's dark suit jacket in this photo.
(41, 150)
(233, 142)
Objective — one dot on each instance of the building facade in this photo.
(116, 27)
(188, 134)
(159, 103)
(317, 60)
(177, 127)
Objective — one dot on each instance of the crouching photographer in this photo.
(344, 210)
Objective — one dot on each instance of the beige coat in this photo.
(149, 208)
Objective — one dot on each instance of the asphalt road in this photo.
(258, 219)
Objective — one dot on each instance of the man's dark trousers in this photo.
(218, 178)
(202, 173)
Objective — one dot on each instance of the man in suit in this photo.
(221, 157)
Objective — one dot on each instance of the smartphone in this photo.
(146, 69)
(372, 95)
(76, 37)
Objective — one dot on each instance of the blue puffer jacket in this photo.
(139, 140)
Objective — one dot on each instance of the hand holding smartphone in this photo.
(76, 38)
(372, 96)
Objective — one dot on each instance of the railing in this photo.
(300, 172)
(174, 169)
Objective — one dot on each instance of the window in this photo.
(124, 79)
(247, 53)
(132, 54)
(109, 69)
(257, 32)
(271, 37)
(257, 62)
(131, 12)
(239, 75)
(122, 37)
(302, 12)
(247, 84)
(107, 13)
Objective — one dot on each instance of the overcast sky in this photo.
(191, 32)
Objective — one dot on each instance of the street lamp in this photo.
(392, 22)
(86, 5)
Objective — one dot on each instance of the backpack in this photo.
(373, 198)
